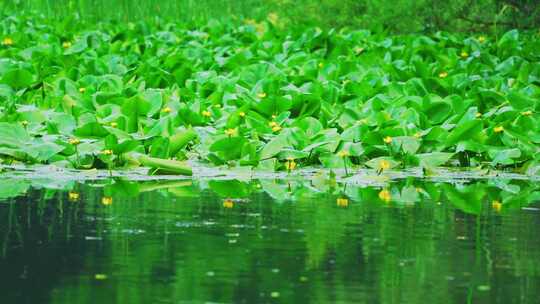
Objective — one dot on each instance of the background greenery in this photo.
(391, 15)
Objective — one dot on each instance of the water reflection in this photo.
(114, 241)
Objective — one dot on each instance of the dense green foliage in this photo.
(260, 95)
(390, 15)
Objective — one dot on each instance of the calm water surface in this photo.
(273, 242)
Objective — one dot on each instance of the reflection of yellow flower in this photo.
(276, 128)
(464, 54)
(73, 196)
(261, 95)
(242, 114)
(106, 200)
(7, 41)
(100, 276)
(66, 44)
(498, 129)
(496, 205)
(387, 139)
(385, 195)
(166, 110)
(290, 164)
(343, 153)
(74, 141)
(206, 113)
(342, 202)
(527, 113)
(231, 132)
(481, 39)
(228, 204)
(384, 164)
(107, 152)
(443, 74)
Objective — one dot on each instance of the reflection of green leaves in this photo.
(12, 188)
(229, 188)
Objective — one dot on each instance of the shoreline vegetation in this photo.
(258, 94)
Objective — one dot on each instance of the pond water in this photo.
(269, 241)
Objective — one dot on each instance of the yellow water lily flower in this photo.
(385, 195)
(273, 18)
(478, 115)
(290, 164)
(242, 114)
(100, 276)
(498, 129)
(73, 196)
(7, 41)
(343, 153)
(276, 128)
(496, 205)
(106, 200)
(527, 113)
(443, 74)
(114, 124)
(342, 202)
(228, 204)
(206, 114)
(481, 39)
(24, 123)
(464, 54)
(66, 44)
(321, 65)
(388, 139)
(231, 132)
(273, 124)
(384, 164)
(417, 135)
(166, 110)
(261, 95)
(82, 90)
(358, 50)
(107, 152)
(74, 141)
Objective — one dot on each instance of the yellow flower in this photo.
(527, 113)
(231, 132)
(387, 139)
(114, 124)
(73, 196)
(7, 41)
(273, 124)
(106, 200)
(290, 164)
(385, 195)
(418, 189)
(342, 202)
(464, 54)
(417, 135)
(107, 152)
(274, 116)
(166, 110)
(276, 128)
(228, 204)
(443, 74)
(384, 164)
(358, 50)
(478, 115)
(273, 18)
(261, 95)
(343, 153)
(321, 65)
(242, 114)
(100, 276)
(24, 123)
(74, 141)
(66, 44)
(496, 205)
(217, 105)
(82, 90)
(498, 129)
(206, 113)
(481, 39)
